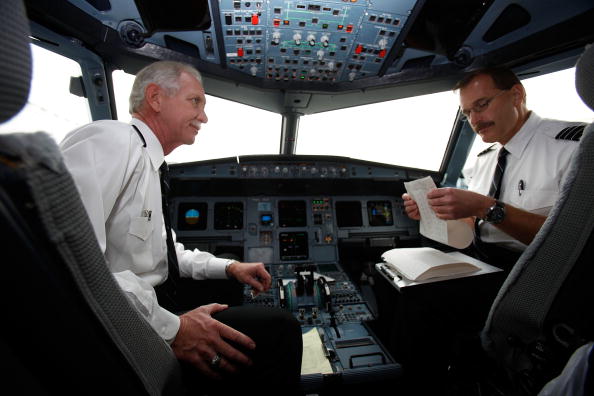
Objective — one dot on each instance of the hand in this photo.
(411, 208)
(253, 274)
(200, 338)
(453, 203)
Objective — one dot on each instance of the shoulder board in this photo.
(573, 132)
(140, 135)
(485, 151)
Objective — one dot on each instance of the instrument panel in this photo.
(300, 217)
(290, 229)
(313, 41)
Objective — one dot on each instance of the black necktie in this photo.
(495, 188)
(494, 191)
(172, 263)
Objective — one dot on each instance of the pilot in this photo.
(116, 167)
(514, 182)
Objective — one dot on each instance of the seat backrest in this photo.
(545, 308)
(69, 328)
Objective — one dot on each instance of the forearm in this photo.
(520, 224)
(517, 223)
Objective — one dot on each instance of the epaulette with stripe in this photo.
(485, 151)
(571, 133)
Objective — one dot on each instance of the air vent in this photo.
(512, 18)
(418, 63)
(181, 46)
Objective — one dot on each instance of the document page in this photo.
(314, 360)
(454, 233)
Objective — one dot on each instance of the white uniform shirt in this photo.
(118, 180)
(535, 169)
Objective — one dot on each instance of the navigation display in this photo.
(348, 214)
(291, 214)
(228, 216)
(380, 213)
(192, 216)
(293, 246)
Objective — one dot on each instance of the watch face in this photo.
(496, 214)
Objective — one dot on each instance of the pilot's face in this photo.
(494, 114)
(183, 113)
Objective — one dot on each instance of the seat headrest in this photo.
(15, 58)
(584, 76)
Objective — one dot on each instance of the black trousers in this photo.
(495, 255)
(277, 334)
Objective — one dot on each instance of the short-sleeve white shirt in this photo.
(535, 169)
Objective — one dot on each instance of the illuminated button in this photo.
(240, 52)
(255, 19)
(276, 22)
(276, 38)
(383, 43)
(349, 28)
(359, 49)
(382, 53)
(340, 27)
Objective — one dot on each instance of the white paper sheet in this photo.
(455, 233)
(314, 360)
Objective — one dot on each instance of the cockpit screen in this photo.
(380, 213)
(293, 246)
(291, 214)
(228, 216)
(192, 216)
(348, 214)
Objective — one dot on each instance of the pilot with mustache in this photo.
(505, 216)
(116, 167)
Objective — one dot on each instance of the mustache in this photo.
(482, 125)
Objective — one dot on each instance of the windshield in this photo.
(412, 132)
(49, 98)
(233, 129)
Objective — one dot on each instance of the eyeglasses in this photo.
(480, 106)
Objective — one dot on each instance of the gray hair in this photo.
(163, 73)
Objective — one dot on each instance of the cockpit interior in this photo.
(319, 221)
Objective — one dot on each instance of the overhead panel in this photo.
(314, 41)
